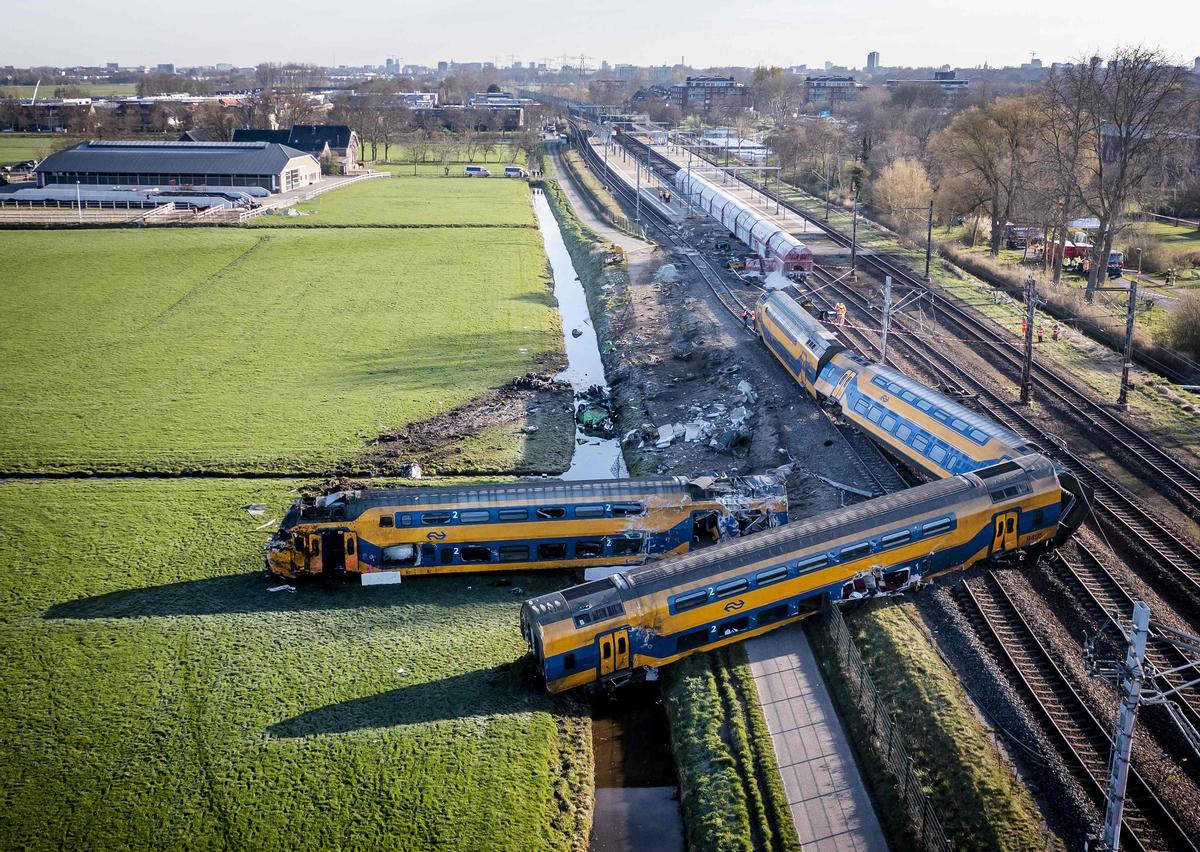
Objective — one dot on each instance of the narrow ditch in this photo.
(637, 792)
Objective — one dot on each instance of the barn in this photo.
(274, 167)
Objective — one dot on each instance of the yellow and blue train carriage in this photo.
(622, 626)
(935, 434)
(384, 534)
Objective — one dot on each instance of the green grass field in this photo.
(422, 200)
(19, 147)
(91, 90)
(158, 696)
(236, 349)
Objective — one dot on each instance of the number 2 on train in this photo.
(1004, 532)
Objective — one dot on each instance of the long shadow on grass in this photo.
(247, 593)
(501, 690)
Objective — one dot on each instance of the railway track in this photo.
(1082, 739)
(1179, 481)
(1173, 556)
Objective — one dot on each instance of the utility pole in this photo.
(929, 241)
(1131, 694)
(637, 216)
(887, 318)
(828, 191)
(1027, 365)
(854, 235)
(1123, 399)
(607, 141)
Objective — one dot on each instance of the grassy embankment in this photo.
(157, 695)
(972, 788)
(273, 350)
(732, 793)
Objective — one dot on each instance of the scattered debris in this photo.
(577, 332)
(667, 274)
(530, 429)
(739, 415)
(841, 486)
(412, 471)
(257, 509)
(399, 671)
(516, 590)
(284, 588)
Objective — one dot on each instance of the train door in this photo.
(706, 528)
(1004, 532)
(333, 552)
(351, 550)
(840, 388)
(614, 651)
(315, 557)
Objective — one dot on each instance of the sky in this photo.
(643, 32)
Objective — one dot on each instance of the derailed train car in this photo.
(624, 626)
(779, 250)
(932, 432)
(384, 534)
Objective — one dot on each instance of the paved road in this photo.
(584, 211)
(829, 802)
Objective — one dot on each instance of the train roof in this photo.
(495, 492)
(955, 410)
(689, 181)
(798, 322)
(892, 509)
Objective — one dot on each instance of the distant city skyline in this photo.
(701, 33)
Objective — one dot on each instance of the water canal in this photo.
(637, 793)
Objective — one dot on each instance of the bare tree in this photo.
(418, 147)
(1129, 122)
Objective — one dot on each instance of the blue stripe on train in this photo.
(657, 544)
(665, 645)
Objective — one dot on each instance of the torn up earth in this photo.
(535, 408)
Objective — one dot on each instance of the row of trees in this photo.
(1096, 139)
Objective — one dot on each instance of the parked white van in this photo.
(477, 171)
(515, 171)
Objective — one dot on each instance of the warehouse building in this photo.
(320, 140)
(272, 166)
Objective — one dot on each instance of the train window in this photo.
(568, 662)
(812, 562)
(997, 470)
(589, 511)
(551, 513)
(893, 539)
(1010, 492)
(474, 516)
(923, 405)
(583, 619)
(889, 423)
(920, 442)
(875, 415)
(316, 547)
(979, 436)
(772, 614)
(731, 587)
(854, 551)
(862, 406)
(588, 549)
(960, 425)
(447, 557)
(937, 527)
(475, 553)
(387, 520)
(434, 518)
(552, 550)
(512, 514)
(404, 518)
(350, 546)
(894, 388)
(691, 641)
(627, 546)
(691, 600)
(904, 432)
(937, 454)
(909, 397)
(514, 553)
(771, 575)
(938, 414)
(733, 625)
(625, 510)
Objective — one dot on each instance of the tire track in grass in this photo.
(201, 287)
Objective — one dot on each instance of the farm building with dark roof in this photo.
(272, 166)
(320, 140)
